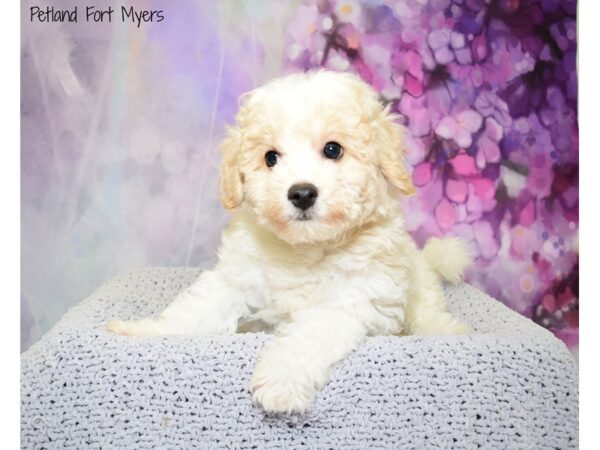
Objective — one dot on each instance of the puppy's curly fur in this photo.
(321, 277)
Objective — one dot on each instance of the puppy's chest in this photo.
(283, 282)
(287, 288)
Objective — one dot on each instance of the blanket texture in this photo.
(510, 384)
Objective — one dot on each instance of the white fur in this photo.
(324, 284)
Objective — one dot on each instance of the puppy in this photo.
(316, 249)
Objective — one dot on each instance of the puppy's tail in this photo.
(448, 257)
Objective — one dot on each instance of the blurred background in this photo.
(120, 126)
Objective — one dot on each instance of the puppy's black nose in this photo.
(303, 195)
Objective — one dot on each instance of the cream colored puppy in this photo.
(316, 249)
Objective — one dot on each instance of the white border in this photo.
(589, 118)
(589, 211)
(10, 224)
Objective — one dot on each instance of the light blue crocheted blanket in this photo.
(510, 384)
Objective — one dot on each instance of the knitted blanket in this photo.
(510, 384)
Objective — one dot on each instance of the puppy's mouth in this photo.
(303, 216)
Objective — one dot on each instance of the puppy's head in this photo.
(314, 156)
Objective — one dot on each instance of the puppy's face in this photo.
(313, 156)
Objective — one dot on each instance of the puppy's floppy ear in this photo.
(232, 184)
(232, 179)
(391, 152)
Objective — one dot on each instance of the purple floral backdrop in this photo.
(488, 90)
(120, 126)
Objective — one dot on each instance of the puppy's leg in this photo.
(432, 322)
(295, 364)
(209, 306)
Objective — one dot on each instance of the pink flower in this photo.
(422, 174)
(456, 190)
(411, 65)
(519, 239)
(413, 85)
(419, 116)
(472, 74)
(527, 214)
(488, 150)
(479, 48)
(415, 150)
(481, 196)
(445, 214)
(446, 44)
(485, 188)
(484, 236)
(414, 64)
(539, 180)
(460, 128)
(439, 41)
(377, 57)
(464, 164)
(489, 104)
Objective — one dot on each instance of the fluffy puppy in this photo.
(316, 249)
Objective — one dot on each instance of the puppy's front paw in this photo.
(144, 327)
(461, 328)
(280, 386)
(455, 327)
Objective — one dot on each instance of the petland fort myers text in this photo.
(93, 14)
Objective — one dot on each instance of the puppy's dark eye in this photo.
(271, 158)
(333, 150)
